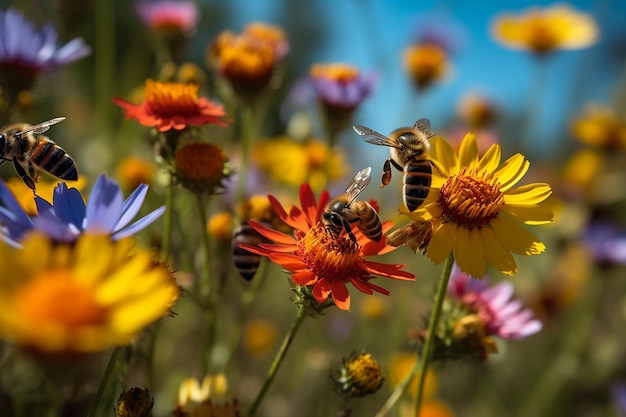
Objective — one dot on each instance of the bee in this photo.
(31, 151)
(408, 152)
(344, 210)
(246, 263)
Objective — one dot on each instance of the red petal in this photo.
(278, 208)
(304, 278)
(341, 295)
(255, 249)
(279, 247)
(288, 261)
(361, 285)
(388, 270)
(271, 234)
(308, 204)
(321, 290)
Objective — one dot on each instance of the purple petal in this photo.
(139, 224)
(131, 206)
(69, 205)
(12, 214)
(72, 51)
(104, 206)
(56, 229)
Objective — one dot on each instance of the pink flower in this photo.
(160, 14)
(502, 316)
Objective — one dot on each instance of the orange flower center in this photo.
(425, 62)
(542, 37)
(58, 297)
(246, 58)
(200, 162)
(327, 256)
(336, 72)
(471, 199)
(170, 99)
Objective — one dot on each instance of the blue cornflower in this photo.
(25, 50)
(68, 217)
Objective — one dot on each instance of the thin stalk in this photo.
(104, 382)
(166, 240)
(278, 360)
(398, 391)
(432, 328)
(104, 62)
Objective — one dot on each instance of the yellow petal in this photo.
(516, 238)
(468, 152)
(444, 156)
(528, 194)
(491, 159)
(440, 245)
(528, 214)
(511, 171)
(497, 255)
(469, 252)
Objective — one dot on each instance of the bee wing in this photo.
(372, 136)
(41, 127)
(423, 125)
(358, 184)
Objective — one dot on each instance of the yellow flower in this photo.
(199, 400)
(600, 127)
(543, 30)
(293, 163)
(425, 63)
(79, 298)
(220, 226)
(45, 190)
(476, 212)
(133, 171)
(585, 178)
(259, 336)
(360, 375)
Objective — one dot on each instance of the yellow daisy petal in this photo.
(468, 152)
(516, 238)
(443, 154)
(528, 214)
(511, 171)
(497, 255)
(442, 242)
(491, 159)
(468, 252)
(528, 194)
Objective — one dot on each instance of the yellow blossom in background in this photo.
(599, 126)
(476, 213)
(293, 163)
(399, 368)
(133, 171)
(45, 190)
(199, 400)
(430, 408)
(84, 297)
(373, 308)
(220, 226)
(592, 162)
(259, 337)
(543, 30)
(425, 63)
(476, 111)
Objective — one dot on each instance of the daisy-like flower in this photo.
(45, 190)
(543, 30)
(425, 63)
(600, 127)
(320, 262)
(341, 85)
(26, 51)
(179, 16)
(501, 315)
(476, 213)
(201, 167)
(82, 297)
(173, 106)
(68, 217)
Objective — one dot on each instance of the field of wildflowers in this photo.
(219, 253)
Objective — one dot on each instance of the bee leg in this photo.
(348, 229)
(386, 173)
(23, 175)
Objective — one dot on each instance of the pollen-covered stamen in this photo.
(471, 199)
(328, 256)
(169, 99)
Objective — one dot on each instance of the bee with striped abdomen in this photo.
(246, 263)
(408, 152)
(30, 151)
(344, 210)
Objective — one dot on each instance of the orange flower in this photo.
(319, 261)
(173, 106)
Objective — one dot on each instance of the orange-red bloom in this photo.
(173, 106)
(318, 260)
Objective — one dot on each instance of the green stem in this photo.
(166, 241)
(104, 62)
(398, 391)
(104, 382)
(248, 130)
(278, 359)
(432, 328)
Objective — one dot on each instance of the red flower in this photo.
(173, 106)
(316, 259)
